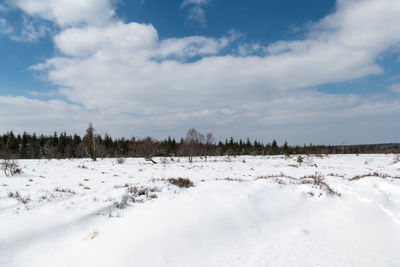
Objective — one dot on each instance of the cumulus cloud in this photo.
(69, 12)
(30, 31)
(124, 71)
(195, 10)
(5, 28)
(21, 114)
(395, 88)
(123, 56)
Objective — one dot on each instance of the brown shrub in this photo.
(181, 182)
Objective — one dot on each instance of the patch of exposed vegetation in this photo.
(181, 182)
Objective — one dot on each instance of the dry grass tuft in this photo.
(64, 190)
(120, 160)
(181, 182)
(373, 174)
(16, 195)
(319, 181)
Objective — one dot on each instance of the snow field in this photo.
(336, 210)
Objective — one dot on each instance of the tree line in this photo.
(92, 145)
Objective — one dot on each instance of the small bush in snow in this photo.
(300, 159)
(64, 190)
(181, 182)
(120, 160)
(319, 181)
(122, 204)
(10, 167)
(19, 198)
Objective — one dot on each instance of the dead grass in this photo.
(396, 159)
(319, 181)
(239, 180)
(64, 190)
(141, 194)
(373, 174)
(94, 234)
(10, 167)
(315, 180)
(120, 160)
(122, 203)
(181, 182)
(272, 176)
(16, 195)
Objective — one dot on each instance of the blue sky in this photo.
(316, 71)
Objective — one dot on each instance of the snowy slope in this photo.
(338, 210)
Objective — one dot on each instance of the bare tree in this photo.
(208, 144)
(147, 148)
(192, 144)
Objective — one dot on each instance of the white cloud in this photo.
(124, 72)
(69, 12)
(334, 119)
(5, 28)
(21, 113)
(116, 36)
(195, 9)
(120, 56)
(195, 2)
(395, 88)
(192, 46)
(31, 31)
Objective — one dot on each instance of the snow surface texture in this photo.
(337, 210)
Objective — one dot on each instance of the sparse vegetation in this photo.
(10, 166)
(58, 146)
(120, 160)
(374, 174)
(181, 182)
(122, 203)
(300, 159)
(64, 190)
(319, 181)
(16, 195)
(93, 234)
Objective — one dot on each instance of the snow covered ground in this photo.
(337, 210)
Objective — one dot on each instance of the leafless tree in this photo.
(147, 148)
(208, 144)
(192, 144)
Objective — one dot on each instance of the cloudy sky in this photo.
(319, 71)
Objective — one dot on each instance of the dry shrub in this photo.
(142, 193)
(10, 167)
(120, 160)
(300, 159)
(64, 190)
(234, 180)
(181, 182)
(335, 175)
(318, 181)
(374, 174)
(122, 204)
(281, 175)
(19, 198)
